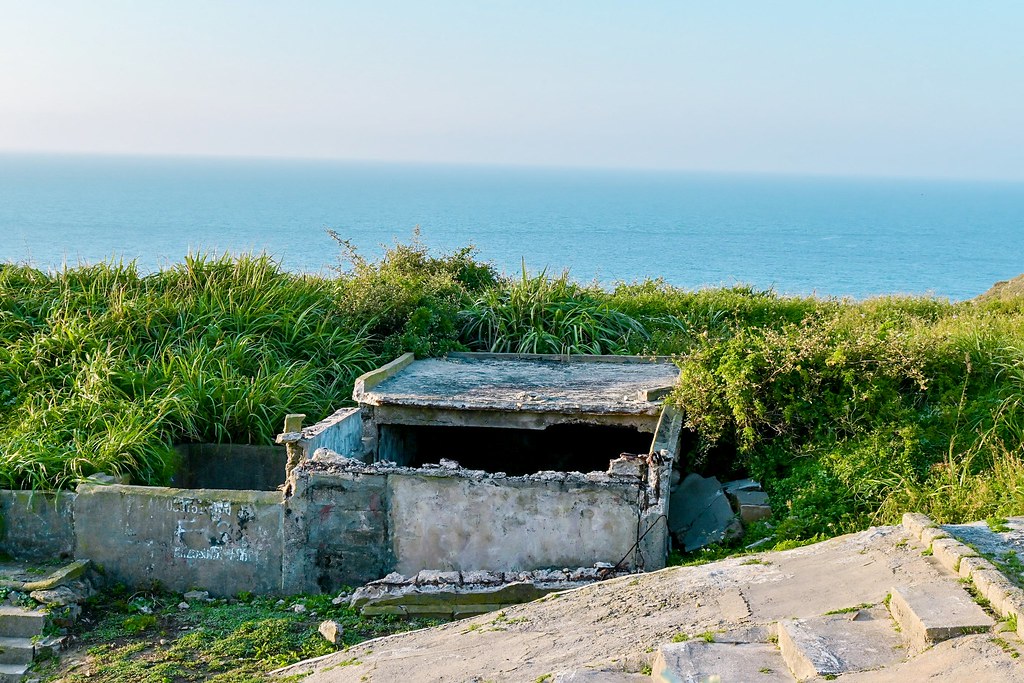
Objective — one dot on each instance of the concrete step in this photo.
(18, 622)
(12, 673)
(16, 650)
(933, 612)
(835, 644)
(696, 661)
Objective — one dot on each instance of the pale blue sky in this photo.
(928, 88)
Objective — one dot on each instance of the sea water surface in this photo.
(796, 235)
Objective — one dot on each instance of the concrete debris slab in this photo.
(701, 662)
(699, 512)
(197, 595)
(933, 612)
(442, 601)
(840, 643)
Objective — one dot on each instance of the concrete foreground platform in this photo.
(832, 598)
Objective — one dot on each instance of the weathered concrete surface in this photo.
(592, 385)
(219, 540)
(230, 466)
(699, 512)
(507, 525)
(835, 644)
(598, 676)
(37, 525)
(336, 530)
(628, 619)
(701, 662)
(341, 432)
(936, 611)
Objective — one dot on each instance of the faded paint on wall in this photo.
(223, 541)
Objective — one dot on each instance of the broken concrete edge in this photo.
(368, 380)
(326, 461)
(455, 594)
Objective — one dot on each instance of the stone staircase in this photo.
(861, 638)
(23, 629)
(21, 641)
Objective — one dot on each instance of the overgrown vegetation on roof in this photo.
(848, 412)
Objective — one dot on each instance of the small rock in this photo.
(184, 605)
(197, 595)
(298, 608)
(163, 641)
(603, 565)
(341, 599)
(279, 603)
(332, 631)
(446, 464)
(59, 596)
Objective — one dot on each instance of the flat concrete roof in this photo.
(587, 385)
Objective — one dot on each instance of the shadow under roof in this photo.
(586, 385)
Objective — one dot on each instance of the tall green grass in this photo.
(849, 412)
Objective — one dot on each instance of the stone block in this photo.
(698, 661)
(916, 523)
(931, 534)
(950, 552)
(839, 643)
(18, 622)
(969, 565)
(931, 613)
(994, 587)
(16, 650)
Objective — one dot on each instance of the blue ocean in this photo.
(824, 236)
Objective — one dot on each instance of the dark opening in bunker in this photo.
(564, 447)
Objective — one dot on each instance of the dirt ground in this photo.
(619, 624)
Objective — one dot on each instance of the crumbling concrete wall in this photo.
(335, 530)
(219, 540)
(349, 522)
(37, 525)
(509, 524)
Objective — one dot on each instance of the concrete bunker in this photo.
(494, 462)
(507, 464)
